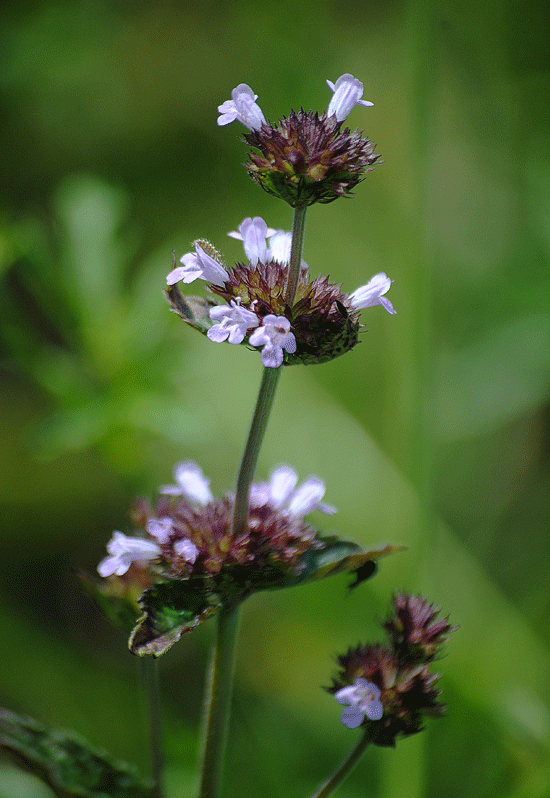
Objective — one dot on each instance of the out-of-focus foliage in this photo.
(433, 433)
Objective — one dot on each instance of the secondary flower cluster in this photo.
(322, 324)
(189, 532)
(392, 685)
(305, 157)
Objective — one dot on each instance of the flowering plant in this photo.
(192, 555)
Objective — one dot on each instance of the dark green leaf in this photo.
(170, 610)
(70, 767)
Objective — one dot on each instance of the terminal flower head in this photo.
(347, 94)
(273, 336)
(243, 107)
(123, 551)
(305, 157)
(392, 684)
(373, 293)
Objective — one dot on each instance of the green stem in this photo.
(298, 230)
(220, 686)
(219, 692)
(149, 674)
(348, 764)
(264, 403)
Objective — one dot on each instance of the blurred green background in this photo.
(433, 433)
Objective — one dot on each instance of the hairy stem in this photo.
(348, 764)
(298, 230)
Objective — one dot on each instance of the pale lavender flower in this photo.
(233, 322)
(198, 265)
(160, 528)
(191, 484)
(372, 293)
(363, 699)
(280, 244)
(253, 232)
(274, 335)
(280, 493)
(347, 93)
(243, 107)
(186, 548)
(124, 551)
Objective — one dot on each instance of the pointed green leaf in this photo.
(340, 556)
(171, 609)
(177, 606)
(70, 767)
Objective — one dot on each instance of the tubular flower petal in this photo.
(159, 529)
(280, 493)
(255, 233)
(372, 293)
(274, 336)
(124, 551)
(186, 549)
(191, 484)
(347, 94)
(198, 265)
(233, 323)
(363, 698)
(243, 107)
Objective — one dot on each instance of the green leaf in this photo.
(171, 609)
(177, 606)
(70, 767)
(339, 556)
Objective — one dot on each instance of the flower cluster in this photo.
(188, 532)
(305, 157)
(322, 323)
(392, 685)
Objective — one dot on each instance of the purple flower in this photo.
(191, 484)
(372, 293)
(280, 494)
(243, 107)
(124, 551)
(198, 265)
(274, 336)
(363, 699)
(233, 322)
(347, 93)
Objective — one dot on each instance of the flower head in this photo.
(274, 335)
(306, 157)
(242, 106)
(124, 551)
(393, 684)
(373, 293)
(347, 93)
(199, 265)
